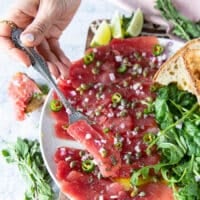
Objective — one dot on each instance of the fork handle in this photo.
(39, 65)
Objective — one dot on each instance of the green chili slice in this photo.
(157, 50)
(116, 97)
(122, 69)
(56, 105)
(88, 165)
(106, 130)
(88, 58)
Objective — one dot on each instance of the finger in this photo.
(49, 56)
(53, 69)
(63, 62)
(22, 13)
(55, 48)
(45, 50)
(5, 29)
(8, 46)
(72, 7)
(35, 32)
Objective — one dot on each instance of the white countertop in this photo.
(73, 43)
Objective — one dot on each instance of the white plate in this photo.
(49, 142)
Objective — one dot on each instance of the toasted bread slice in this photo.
(183, 68)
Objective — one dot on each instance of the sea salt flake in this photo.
(88, 136)
(114, 197)
(112, 76)
(73, 93)
(118, 58)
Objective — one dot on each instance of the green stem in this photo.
(162, 132)
(172, 18)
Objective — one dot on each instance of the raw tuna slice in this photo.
(155, 191)
(81, 186)
(25, 93)
(100, 146)
(139, 44)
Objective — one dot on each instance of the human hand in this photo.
(43, 22)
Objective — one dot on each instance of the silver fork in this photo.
(40, 66)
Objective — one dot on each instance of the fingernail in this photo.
(28, 37)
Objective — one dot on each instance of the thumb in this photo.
(35, 32)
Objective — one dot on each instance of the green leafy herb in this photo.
(183, 27)
(125, 23)
(44, 88)
(26, 154)
(178, 115)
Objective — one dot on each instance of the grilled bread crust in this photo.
(182, 68)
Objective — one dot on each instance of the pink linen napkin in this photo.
(190, 9)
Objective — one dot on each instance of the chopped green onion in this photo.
(127, 158)
(88, 58)
(88, 165)
(56, 105)
(103, 152)
(125, 83)
(123, 113)
(118, 141)
(113, 160)
(81, 153)
(101, 88)
(139, 115)
(116, 97)
(37, 96)
(157, 50)
(122, 69)
(154, 88)
(106, 130)
(95, 70)
(137, 55)
(97, 113)
(118, 145)
(73, 164)
(83, 87)
(98, 64)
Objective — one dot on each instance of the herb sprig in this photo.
(183, 27)
(26, 154)
(178, 115)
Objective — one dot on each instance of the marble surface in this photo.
(73, 43)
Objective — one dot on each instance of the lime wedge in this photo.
(136, 23)
(116, 26)
(102, 35)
